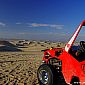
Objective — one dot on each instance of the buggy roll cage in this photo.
(73, 38)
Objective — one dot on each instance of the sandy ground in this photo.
(20, 68)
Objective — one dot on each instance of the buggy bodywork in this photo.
(67, 61)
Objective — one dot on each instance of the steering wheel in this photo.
(81, 50)
(82, 45)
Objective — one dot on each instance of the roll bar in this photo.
(73, 38)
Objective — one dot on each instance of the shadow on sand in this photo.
(7, 46)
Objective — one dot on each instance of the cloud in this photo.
(45, 25)
(39, 33)
(18, 23)
(2, 24)
(22, 33)
(57, 26)
(39, 25)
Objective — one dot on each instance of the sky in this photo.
(54, 20)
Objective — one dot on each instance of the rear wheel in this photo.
(45, 75)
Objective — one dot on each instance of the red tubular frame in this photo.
(71, 41)
(70, 66)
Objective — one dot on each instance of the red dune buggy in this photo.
(64, 66)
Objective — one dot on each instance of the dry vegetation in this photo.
(20, 68)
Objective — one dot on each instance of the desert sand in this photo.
(20, 59)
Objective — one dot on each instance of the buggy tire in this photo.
(45, 74)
